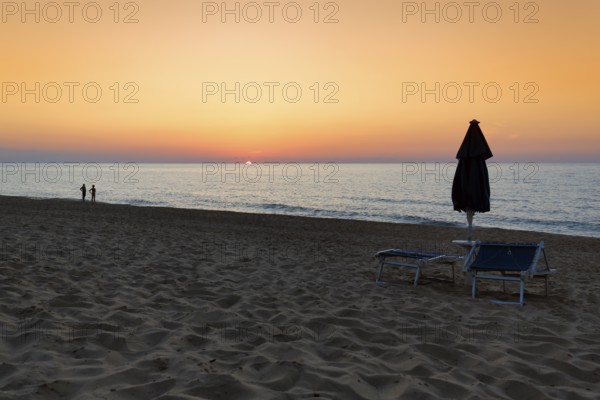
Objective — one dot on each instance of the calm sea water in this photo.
(555, 198)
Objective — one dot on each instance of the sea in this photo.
(546, 197)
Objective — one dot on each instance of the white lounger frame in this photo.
(419, 263)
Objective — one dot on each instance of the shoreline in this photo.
(255, 214)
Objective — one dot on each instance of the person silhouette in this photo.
(93, 193)
(83, 192)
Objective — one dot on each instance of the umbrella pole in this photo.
(470, 222)
(470, 214)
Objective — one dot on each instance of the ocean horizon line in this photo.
(322, 161)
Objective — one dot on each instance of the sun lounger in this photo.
(515, 261)
(412, 259)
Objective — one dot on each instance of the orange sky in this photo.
(371, 58)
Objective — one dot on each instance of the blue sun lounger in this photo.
(411, 259)
(515, 261)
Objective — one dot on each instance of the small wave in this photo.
(145, 203)
(279, 208)
(412, 219)
(284, 207)
(381, 200)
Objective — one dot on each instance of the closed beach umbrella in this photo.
(471, 185)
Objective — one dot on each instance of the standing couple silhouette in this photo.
(84, 192)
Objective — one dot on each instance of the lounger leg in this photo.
(417, 275)
(522, 289)
(381, 264)
(473, 283)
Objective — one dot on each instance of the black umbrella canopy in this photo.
(471, 186)
(474, 143)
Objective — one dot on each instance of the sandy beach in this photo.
(119, 302)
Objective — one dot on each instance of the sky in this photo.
(345, 81)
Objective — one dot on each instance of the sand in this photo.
(119, 302)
